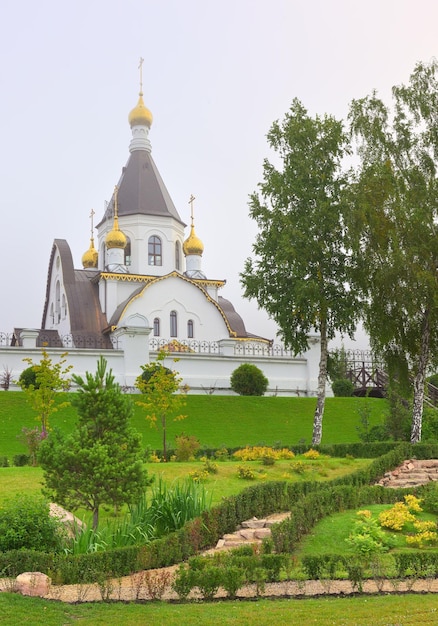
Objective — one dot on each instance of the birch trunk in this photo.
(322, 379)
(419, 380)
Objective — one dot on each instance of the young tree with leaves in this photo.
(159, 386)
(394, 227)
(299, 273)
(101, 461)
(50, 378)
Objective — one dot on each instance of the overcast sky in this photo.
(216, 75)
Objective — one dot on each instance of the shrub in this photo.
(208, 580)
(210, 467)
(186, 447)
(152, 368)
(199, 476)
(183, 582)
(19, 460)
(233, 578)
(4, 461)
(312, 454)
(342, 388)
(28, 377)
(255, 453)
(298, 467)
(221, 454)
(249, 380)
(430, 498)
(367, 537)
(245, 472)
(25, 523)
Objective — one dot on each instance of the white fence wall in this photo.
(202, 372)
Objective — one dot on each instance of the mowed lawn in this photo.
(230, 421)
(225, 482)
(404, 610)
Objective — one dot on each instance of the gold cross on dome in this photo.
(91, 218)
(140, 67)
(191, 201)
(116, 191)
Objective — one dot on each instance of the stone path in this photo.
(252, 531)
(411, 473)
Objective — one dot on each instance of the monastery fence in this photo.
(191, 346)
(206, 367)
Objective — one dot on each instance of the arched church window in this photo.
(128, 252)
(57, 302)
(157, 327)
(190, 329)
(173, 324)
(155, 251)
(64, 306)
(177, 255)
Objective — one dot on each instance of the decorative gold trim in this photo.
(143, 278)
(255, 339)
(149, 280)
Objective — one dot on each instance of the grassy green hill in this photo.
(215, 420)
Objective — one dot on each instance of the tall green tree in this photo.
(50, 378)
(101, 461)
(162, 395)
(299, 272)
(394, 227)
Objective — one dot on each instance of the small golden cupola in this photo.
(140, 114)
(115, 238)
(193, 245)
(90, 257)
(193, 249)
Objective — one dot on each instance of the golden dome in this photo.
(115, 238)
(140, 115)
(193, 245)
(89, 258)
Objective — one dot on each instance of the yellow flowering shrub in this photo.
(366, 514)
(312, 454)
(255, 453)
(423, 539)
(413, 503)
(245, 472)
(396, 517)
(199, 476)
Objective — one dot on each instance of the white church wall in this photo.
(84, 360)
(206, 373)
(177, 294)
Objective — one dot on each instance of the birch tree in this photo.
(299, 269)
(394, 226)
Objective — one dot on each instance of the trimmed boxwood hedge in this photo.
(308, 500)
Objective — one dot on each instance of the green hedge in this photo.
(420, 564)
(309, 501)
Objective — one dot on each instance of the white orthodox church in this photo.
(142, 288)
